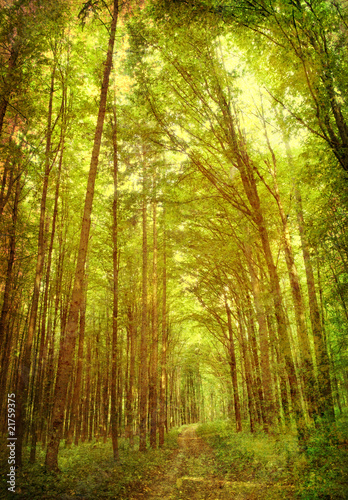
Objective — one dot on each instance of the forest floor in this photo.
(207, 461)
(189, 473)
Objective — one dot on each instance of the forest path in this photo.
(188, 474)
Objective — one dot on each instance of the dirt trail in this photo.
(188, 475)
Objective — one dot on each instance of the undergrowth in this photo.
(319, 473)
(88, 471)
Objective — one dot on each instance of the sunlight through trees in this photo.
(173, 219)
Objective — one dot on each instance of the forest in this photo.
(174, 249)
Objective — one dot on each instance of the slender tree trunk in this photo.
(120, 387)
(91, 398)
(97, 412)
(114, 348)
(143, 341)
(233, 367)
(48, 386)
(107, 376)
(266, 376)
(78, 380)
(255, 363)
(280, 371)
(247, 369)
(64, 370)
(154, 350)
(163, 384)
(130, 388)
(86, 393)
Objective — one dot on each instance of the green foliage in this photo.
(321, 472)
(88, 471)
(326, 472)
(245, 456)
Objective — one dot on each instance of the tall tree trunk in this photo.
(78, 380)
(266, 376)
(154, 347)
(143, 340)
(107, 375)
(255, 363)
(247, 367)
(48, 385)
(280, 371)
(114, 347)
(233, 368)
(65, 361)
(86, 393)
(131, 380)
(120, 387)
(163, 383)
(97, 420)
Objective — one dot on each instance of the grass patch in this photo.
(88, 471)
(319, 473)
(246, 457)
(324, 475)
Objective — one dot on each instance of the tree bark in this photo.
(247, 367)
(154, 348)
(144, 335)
(131, 379)
(233, 368)
(163, 382)
(266, 376)
(78, 380)
(86, 393)
(115, 264)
